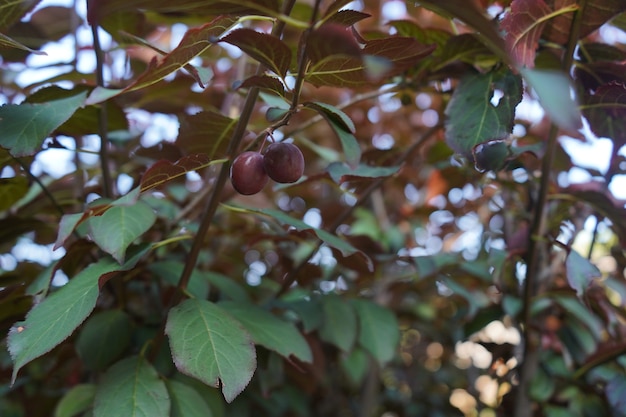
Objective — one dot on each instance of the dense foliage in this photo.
(441, 254)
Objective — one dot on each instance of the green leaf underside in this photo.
(267, 49)
(580, 272)
(57, 316)
(343, 127)
(103, 337)
(473, 118)
(77, 400)
(25, 126)
(186, 401)
(339, 325)
(331, 240)
(333, 113)
(341, 172)
(210, 345)
(379, 333)
(131, 387)
(269, 331)
(553, 88)
(119, 226)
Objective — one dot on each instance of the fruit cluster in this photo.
(250, 171)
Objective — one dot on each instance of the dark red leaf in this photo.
(605, 111)
(523, 26)
(395, 55)
(597, 13)
(205, 132)
(163, 171)
(346, 17)
(263, 81)
(267, 49)
(331, 39)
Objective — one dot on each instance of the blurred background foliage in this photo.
(479, 266)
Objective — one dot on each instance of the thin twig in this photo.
(107, 182)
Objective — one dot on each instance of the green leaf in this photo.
(12, 190)
(170, 270)
(119, 226)
(227, 286)
(331, 240)
(210, 345)
(343, 127)
(57, 316)
(580, 272)
(25, 126)
(542, 386)
(340, 172)
(309, 311)
(131, 387)
(340, 323)
(77, 400)
(355, 365)
(103, 338)
(186, 401)
(269, 331)
(267, 49)
(473, 118)
(553, 88)
(379, 332)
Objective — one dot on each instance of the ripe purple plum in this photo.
(247, 173)
(283, 162)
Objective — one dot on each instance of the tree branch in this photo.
(538, 247)
(107, 181)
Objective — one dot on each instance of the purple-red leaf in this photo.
(397, 53)
(263, 81)
(164, 171)
(605, 110)
(205, 132)
(346, 17)
(597, 13)
(195, 41)
(267, 49)
(523, 26)
(331, 39)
